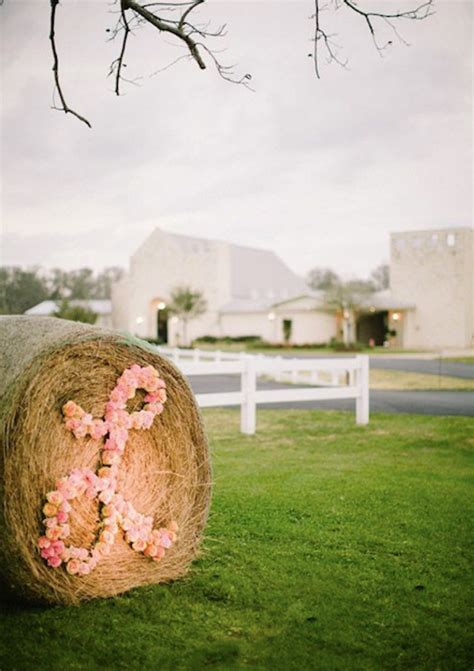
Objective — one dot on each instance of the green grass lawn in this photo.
(330, 546)
(381, 378)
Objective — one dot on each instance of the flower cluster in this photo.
(115, 512)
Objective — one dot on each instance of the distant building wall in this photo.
(162, 264)
(434, 270)
(306, 327)
(252, 323)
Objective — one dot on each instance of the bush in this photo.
(228, 340)
(263, 344)
(339, 346)
(211, 340)
(75, 313)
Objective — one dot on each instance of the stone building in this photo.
(248, 292)
(433, 270)
(429, 305)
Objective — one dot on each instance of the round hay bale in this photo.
(164, 473)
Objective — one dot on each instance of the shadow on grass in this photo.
(11, 602)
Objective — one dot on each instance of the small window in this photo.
(451, 239)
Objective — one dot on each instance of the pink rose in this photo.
(72, 566)
(83, 568)
(165, 541)
(55, 561)
(71, 409)
(50, 510)
(106, 495)
(160, 553)
(53, 533)
(139, 545)
(62, 517)
(55, 497)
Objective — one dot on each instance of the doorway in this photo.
(162, 325)
(372, 326)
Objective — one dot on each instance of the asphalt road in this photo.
(411, 402)
(430, 366)
(437, 366)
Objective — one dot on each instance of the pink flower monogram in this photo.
(115, 512)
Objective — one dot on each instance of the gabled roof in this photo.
(259, 274)
(255, 274)
(315, 297)
(100, 307)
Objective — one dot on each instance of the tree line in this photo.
(21, 289)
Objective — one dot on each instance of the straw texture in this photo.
(165, 472)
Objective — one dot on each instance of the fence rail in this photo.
(348, 379)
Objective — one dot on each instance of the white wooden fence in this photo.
(346, 378)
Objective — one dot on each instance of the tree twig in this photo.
(126, 33)
(65, 107)
(418, 13)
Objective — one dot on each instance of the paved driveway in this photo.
(429, 366)
(412, 402)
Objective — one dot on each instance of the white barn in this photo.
(248, 292)
(252, 292)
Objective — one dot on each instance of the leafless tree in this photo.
(324, 42)
(176, 18)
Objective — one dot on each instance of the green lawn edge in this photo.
(329, 546)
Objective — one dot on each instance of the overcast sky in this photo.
(319, 171)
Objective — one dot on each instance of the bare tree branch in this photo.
(164, 26)
(418, 13)
(126, 33)
(227, 71)
(174, 19)
(65, 108)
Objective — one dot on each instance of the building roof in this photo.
(381, 300)
(260, 275)
(257, 275)
(385, 300)
(100, 307)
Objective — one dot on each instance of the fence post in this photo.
(362, 400)
(196, 354)
(217, 356)
(175, 354)
(248, 420)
